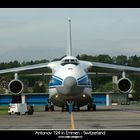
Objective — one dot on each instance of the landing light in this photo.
(84, 95)
(56, 96)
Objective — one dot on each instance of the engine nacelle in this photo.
(124, 85)
(15, 86)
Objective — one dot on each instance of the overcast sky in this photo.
(41, 33)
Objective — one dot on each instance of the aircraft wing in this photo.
(115, 67)
(24, 68)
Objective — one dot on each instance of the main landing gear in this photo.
(50, 107)
(91, 107)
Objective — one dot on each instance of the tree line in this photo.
(13, 64)
(99, 84)
(119, 60)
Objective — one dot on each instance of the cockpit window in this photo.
(66, 60)
(69, 61)
(72, 60)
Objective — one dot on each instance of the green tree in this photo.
(134, 61)
(107, 87)
(39, 87)
(104, 58)
(136, 95)
(2, 90)
(121, 60)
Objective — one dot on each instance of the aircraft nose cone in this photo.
(70, 82)
(70, 87)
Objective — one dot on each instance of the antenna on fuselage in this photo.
(69, 49)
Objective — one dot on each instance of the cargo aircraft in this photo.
(70, 82)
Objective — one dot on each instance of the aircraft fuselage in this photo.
(70, 82)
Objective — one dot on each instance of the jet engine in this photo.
(124, 85)
(15, 86)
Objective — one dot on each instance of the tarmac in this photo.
(119, 117)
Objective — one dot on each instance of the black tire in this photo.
(46, 108)
(64, 109)
(52, 108)
(10, 114)
(91, 107)
(30, 110)
(18, 113)
(76, 108)
(88, 108)
(94, 107)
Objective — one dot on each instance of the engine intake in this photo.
(124, 85)
(15, 86)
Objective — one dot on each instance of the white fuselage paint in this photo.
(80, 93)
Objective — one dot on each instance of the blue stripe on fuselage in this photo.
(55, 81)
(84, 81)
(81, 77)
(57, 77)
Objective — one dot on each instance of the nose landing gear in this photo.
(70, 106)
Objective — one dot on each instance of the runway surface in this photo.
(113, 117)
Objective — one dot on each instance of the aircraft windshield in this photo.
(69, 61)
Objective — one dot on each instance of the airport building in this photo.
(41, 99)
(109, 98)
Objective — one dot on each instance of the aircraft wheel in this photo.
(18, 113)
(91, 107)
(64, 109)
(94, 107)
(46, 108)
(30, 110)
(76, 108)
(52, 108)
